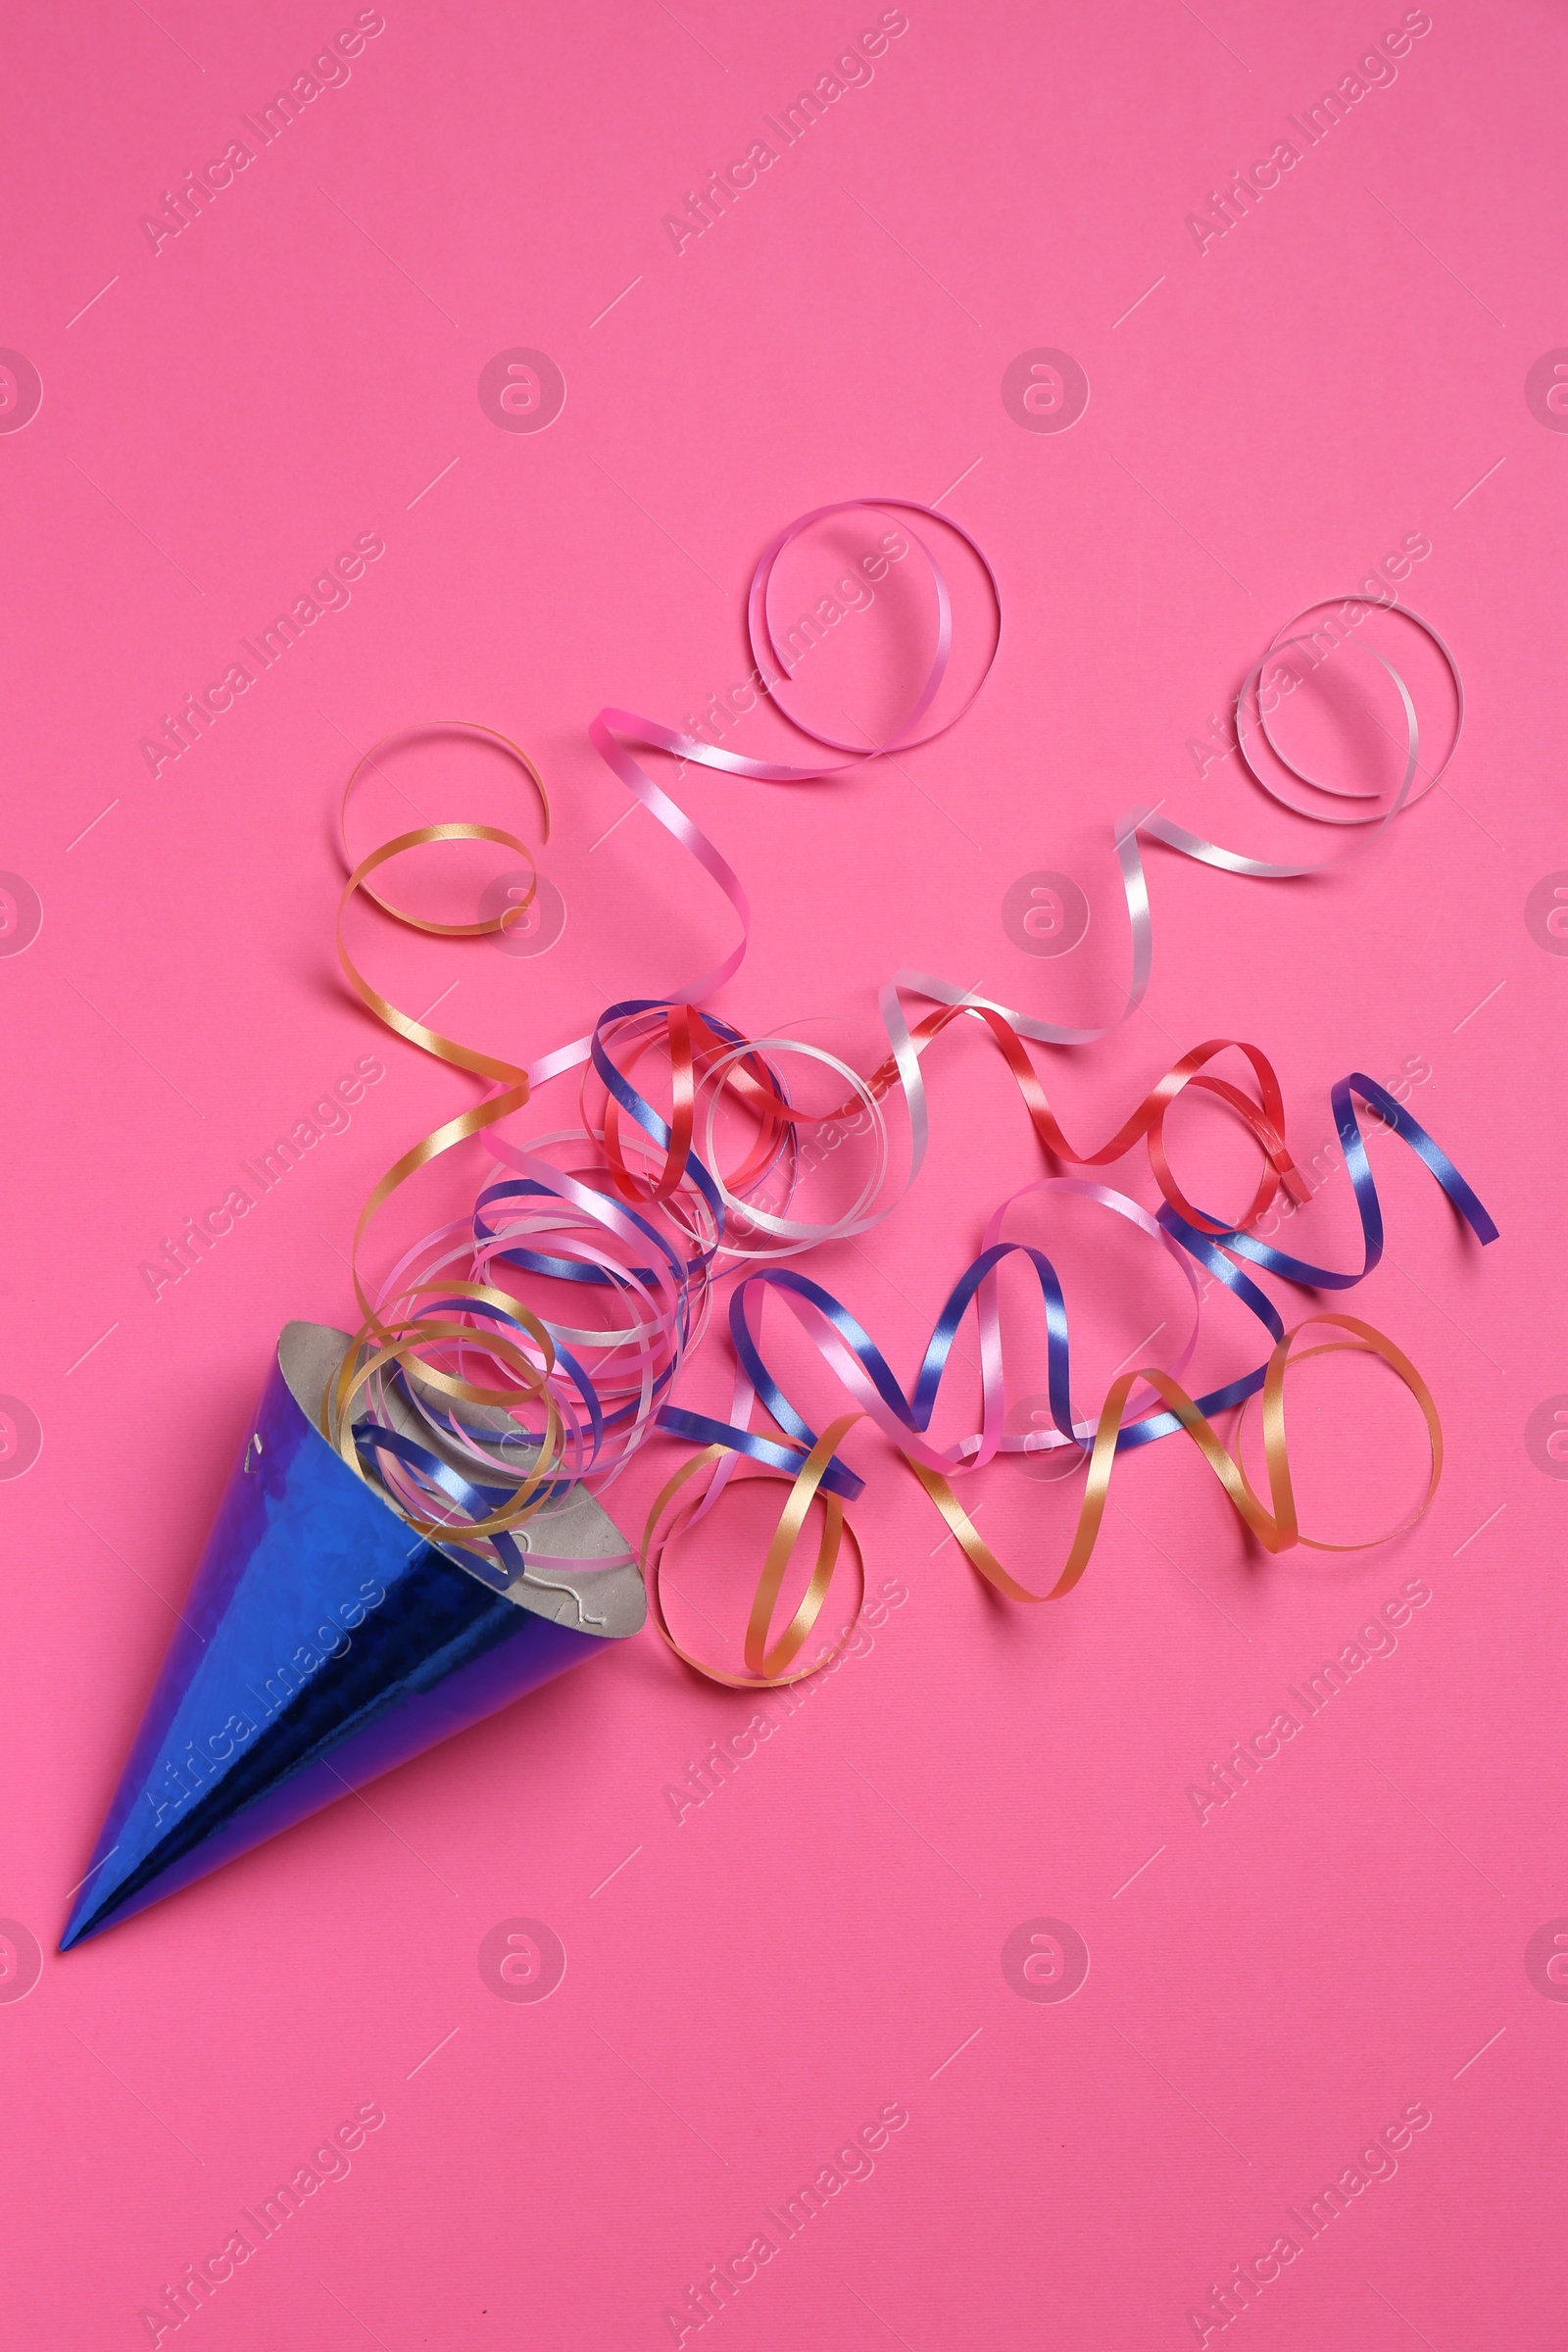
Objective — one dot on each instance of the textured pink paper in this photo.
(1271, 413)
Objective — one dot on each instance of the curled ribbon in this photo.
(1274, 1523)
(612, 731)
(633, 1208)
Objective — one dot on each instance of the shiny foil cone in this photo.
(323, 1643)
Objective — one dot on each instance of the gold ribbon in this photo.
(1275, 1523)
(380, 1345)
(765, 1667)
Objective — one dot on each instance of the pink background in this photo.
(300, 367)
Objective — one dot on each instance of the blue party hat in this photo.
(323, 1643)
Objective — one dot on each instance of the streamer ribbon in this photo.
(635, 1212)
(612, 731)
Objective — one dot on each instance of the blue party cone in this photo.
(323, 1643)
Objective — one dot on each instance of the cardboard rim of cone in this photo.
(325, 1641)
